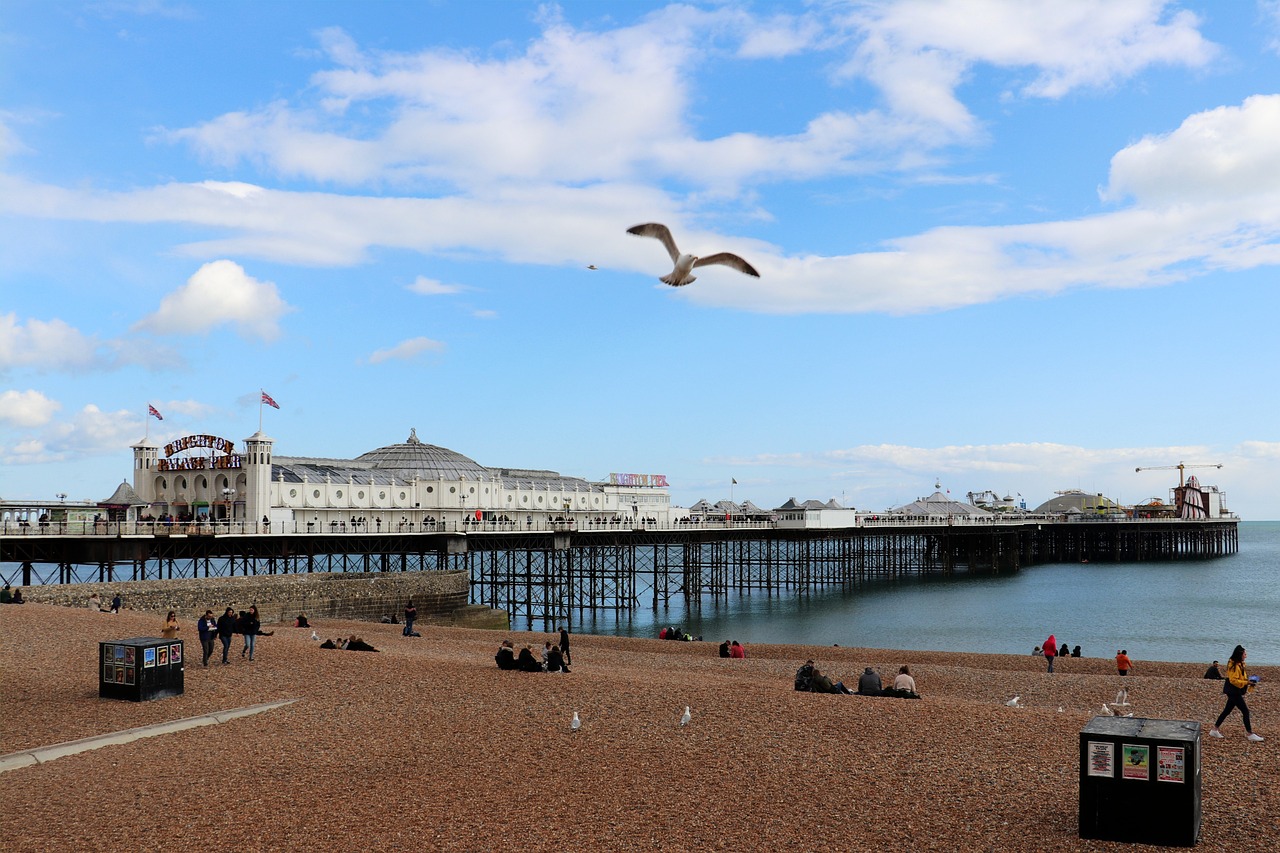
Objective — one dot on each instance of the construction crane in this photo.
(1181, 466)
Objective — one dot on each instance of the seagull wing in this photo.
(729, 260)
(659, 231)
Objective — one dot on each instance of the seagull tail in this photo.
(671, 280)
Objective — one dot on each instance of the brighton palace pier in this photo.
(401, 487)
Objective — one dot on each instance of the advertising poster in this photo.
(120, 674)
(128, 675)
(175, 653)
(162, 656)
(1137, 761)
(148, 658)
(128, 655)
(1171, 764)
(108, 652)
(119, 653)
(1102, 759)
(108, 673)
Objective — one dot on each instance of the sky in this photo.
(1009, 245)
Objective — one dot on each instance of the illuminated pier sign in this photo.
(653, 481)
(228, 459)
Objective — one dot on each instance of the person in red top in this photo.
(737, 651)
(1050, 650)
(1123, 664)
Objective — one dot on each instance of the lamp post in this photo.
(227, 495)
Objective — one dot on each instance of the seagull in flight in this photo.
(685, 264)
(686, 717)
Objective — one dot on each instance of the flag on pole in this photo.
(153, 412)
(266, 398)
(735, 482)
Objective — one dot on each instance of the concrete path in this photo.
(42, 754)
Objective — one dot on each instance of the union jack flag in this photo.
(153, 412)
(266, 398)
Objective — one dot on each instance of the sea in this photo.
(1193, 610)
(1175, 611)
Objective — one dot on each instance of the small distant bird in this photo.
(1013, 703)
(576, 723)
(679, 276)
(686, 716)
(592, 266)
(1122, 698)
(1107, 712)
(1059, 709)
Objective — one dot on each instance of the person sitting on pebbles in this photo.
(506, 656)
(526, 662)
(869, 683)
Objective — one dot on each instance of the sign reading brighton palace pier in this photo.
(654, 481)
(228, 459)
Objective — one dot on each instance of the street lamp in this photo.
(227, 495)
(62, 496)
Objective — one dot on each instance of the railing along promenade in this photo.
(547, 570)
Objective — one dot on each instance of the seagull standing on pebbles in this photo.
(1107, 712)
(576, 723)
(686, 717)
(685, 264)
(1013, 703)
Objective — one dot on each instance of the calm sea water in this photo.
(1183, 611)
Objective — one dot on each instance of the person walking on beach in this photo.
(564, 644)
(410, 614)
(1236, 685)
(1123, 664)
(1050, 650)
(116, 604)
(251, 626)
(226, 629)
(171, 626)
(208, 628)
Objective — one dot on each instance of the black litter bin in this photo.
(140, 668)
(1140, 780)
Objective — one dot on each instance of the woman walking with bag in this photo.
(1237, 684)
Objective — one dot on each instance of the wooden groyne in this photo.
(546, 576)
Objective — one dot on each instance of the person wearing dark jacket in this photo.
(506, 656)
(804, 676)
(564, 645)
(410, 614)
(251, 627)
(226, 628)
(724, 649)
(1213, 672)
(527, 662)
(208, 627)
(869, 683)
(555, 660)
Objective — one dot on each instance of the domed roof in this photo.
(424, 461)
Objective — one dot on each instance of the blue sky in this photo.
(1019, 246)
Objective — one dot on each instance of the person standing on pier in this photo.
(1050, 650)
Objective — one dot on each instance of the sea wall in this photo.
(440, 597)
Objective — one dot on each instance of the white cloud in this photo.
(45, 345)
(431, 287)
(27, 408)
(90, 432)
(220, 293)
(405, 350)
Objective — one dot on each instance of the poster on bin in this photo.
(1171, 764)
(1137, 761)
(1102, 759)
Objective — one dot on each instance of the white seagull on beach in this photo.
(685, 264)
(1013, 703)
(1107, 712)
(1122, 699)
(576, 723)
(314, 635)
(686, 717)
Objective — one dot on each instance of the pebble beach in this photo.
(426, 745)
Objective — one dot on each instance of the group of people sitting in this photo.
(674, 632)
(350, 644)
(553, 659)
(11, 596)
(734, 650)
(810, 679)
